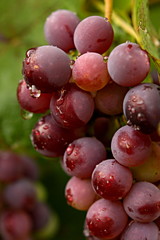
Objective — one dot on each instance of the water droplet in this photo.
(111, 177)
(41, 122)
(28, 61)
(29, 52)
(137, 128)
(140, 102)
(106, 19)
(34, 92)
(133, 110)
(26, 115)
(37, 132)
(69, 196)
(129, 123)
(66, 123)
(46, 127)
(70, 149)
(105, 58)
(134, 99)
(141, 117)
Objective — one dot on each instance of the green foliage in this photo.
(148, 38)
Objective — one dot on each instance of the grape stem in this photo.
(108, 9)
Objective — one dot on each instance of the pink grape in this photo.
(90, 72)
(79, 193)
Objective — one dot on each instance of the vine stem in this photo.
(125, 26)
(108, 9)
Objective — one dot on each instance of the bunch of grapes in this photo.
(102, 122)
(23, 214)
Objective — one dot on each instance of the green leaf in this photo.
(148, 38)
(154, 15)
(123, 5)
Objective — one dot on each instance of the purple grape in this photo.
(130, 147)
(30, 169)
(90, 72)
(89, 236)
(142, 203)
(93, 34)
(157, 222)
(40, 215)
(15, 224)
(49, 139)
(109, 100)
(82, 155)
(104, 129)
(128, 64)
(59, 29)
(20, 194)
(47, 68)
(39, 104)
(79, 193)
(141, 109)
(72, 107)
(11, 167)
(111, 180)
(140, 231)
(106, 219)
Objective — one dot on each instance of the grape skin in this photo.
(49, 139)
(142, 203)
(40, 215)
(106, 219)
(90, 72)
(20, 195)
(15, 224)
(47, 68)
(30, 169)
(79, 193)
(93, 34)
(139, 231)
(59, 29)
(32, 104)
(82, 155)
(141, 109)
(109, 100)
(11, 167)
(111, 180)
(130, 147)
(128, 64)
(71, 107)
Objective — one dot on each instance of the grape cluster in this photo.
(103, 122)
(23, 214)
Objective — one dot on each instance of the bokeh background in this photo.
(21, 28)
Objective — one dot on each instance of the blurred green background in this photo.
(21, 28)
